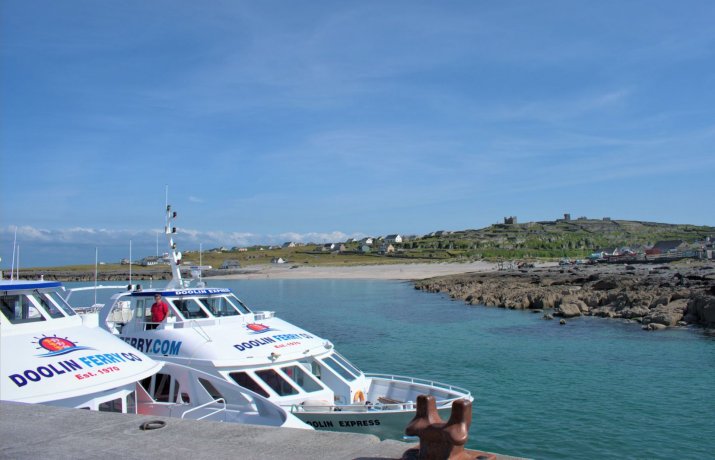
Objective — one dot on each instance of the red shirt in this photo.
(159, 311)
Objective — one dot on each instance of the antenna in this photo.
(96, 258)
(130, 262)
(14, 249)
(175, 256)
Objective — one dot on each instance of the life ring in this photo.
(359, 397)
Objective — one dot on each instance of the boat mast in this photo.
(174, 255)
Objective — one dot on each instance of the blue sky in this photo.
(316, 121)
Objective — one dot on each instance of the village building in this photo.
(149, 261)
(667, 247)
(386, 248)
(230, 264)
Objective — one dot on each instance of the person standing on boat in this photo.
(159, 311)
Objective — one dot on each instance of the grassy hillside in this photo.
(532, 240)
(550, 239)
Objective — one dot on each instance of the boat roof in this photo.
(48, 354)
(19, 285)
(179, 292)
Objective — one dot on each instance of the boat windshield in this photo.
(189, 308)
(285, 382)
(342, 366)
(221, 306)
(54, 304)
(18, 309)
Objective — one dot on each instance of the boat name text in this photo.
(70, 365)
(342, 423)
(155, 346)
(272, 339)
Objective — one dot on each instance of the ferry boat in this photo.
(50, 355)
(210, 329)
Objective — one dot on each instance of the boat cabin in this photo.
(219, 334)
(131, 311)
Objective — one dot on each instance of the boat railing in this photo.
(215, 401)
(418, 381)
(363, 407)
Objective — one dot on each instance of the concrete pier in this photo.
(34, 431)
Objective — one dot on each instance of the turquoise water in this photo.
(593, 388)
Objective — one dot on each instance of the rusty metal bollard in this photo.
(440, 440)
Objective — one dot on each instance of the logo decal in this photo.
(257, 328)
(56, 346)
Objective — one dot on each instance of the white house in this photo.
(393, 239)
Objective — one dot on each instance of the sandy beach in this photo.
(415, 271)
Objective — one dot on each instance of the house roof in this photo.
(667, 245)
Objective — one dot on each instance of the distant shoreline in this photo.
(412, 272)
(398, 271)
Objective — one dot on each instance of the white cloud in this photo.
(186, 238)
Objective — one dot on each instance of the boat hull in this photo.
(383, 424)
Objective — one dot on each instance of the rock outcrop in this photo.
(654, 295)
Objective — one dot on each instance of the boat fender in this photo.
(359, 397)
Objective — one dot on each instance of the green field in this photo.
(549, 240)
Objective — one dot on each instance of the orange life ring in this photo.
(359, 397)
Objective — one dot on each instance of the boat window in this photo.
(59, 302)
(189, 308)
(313, 366)
(115, 405)
(240, 305)
(276, 382)
(49, 306)
(208, 386)
(346, 364)
(330, 362)
(131, 403)
(219, 306)
(302, 378)
(248, 383)
(19, 309)
(141, 310)
(146, 383)
(162, 387)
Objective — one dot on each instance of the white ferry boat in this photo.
(48, 355)
(210, 329)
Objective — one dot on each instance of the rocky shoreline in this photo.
(658, 296)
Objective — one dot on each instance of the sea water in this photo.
(592, 388)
